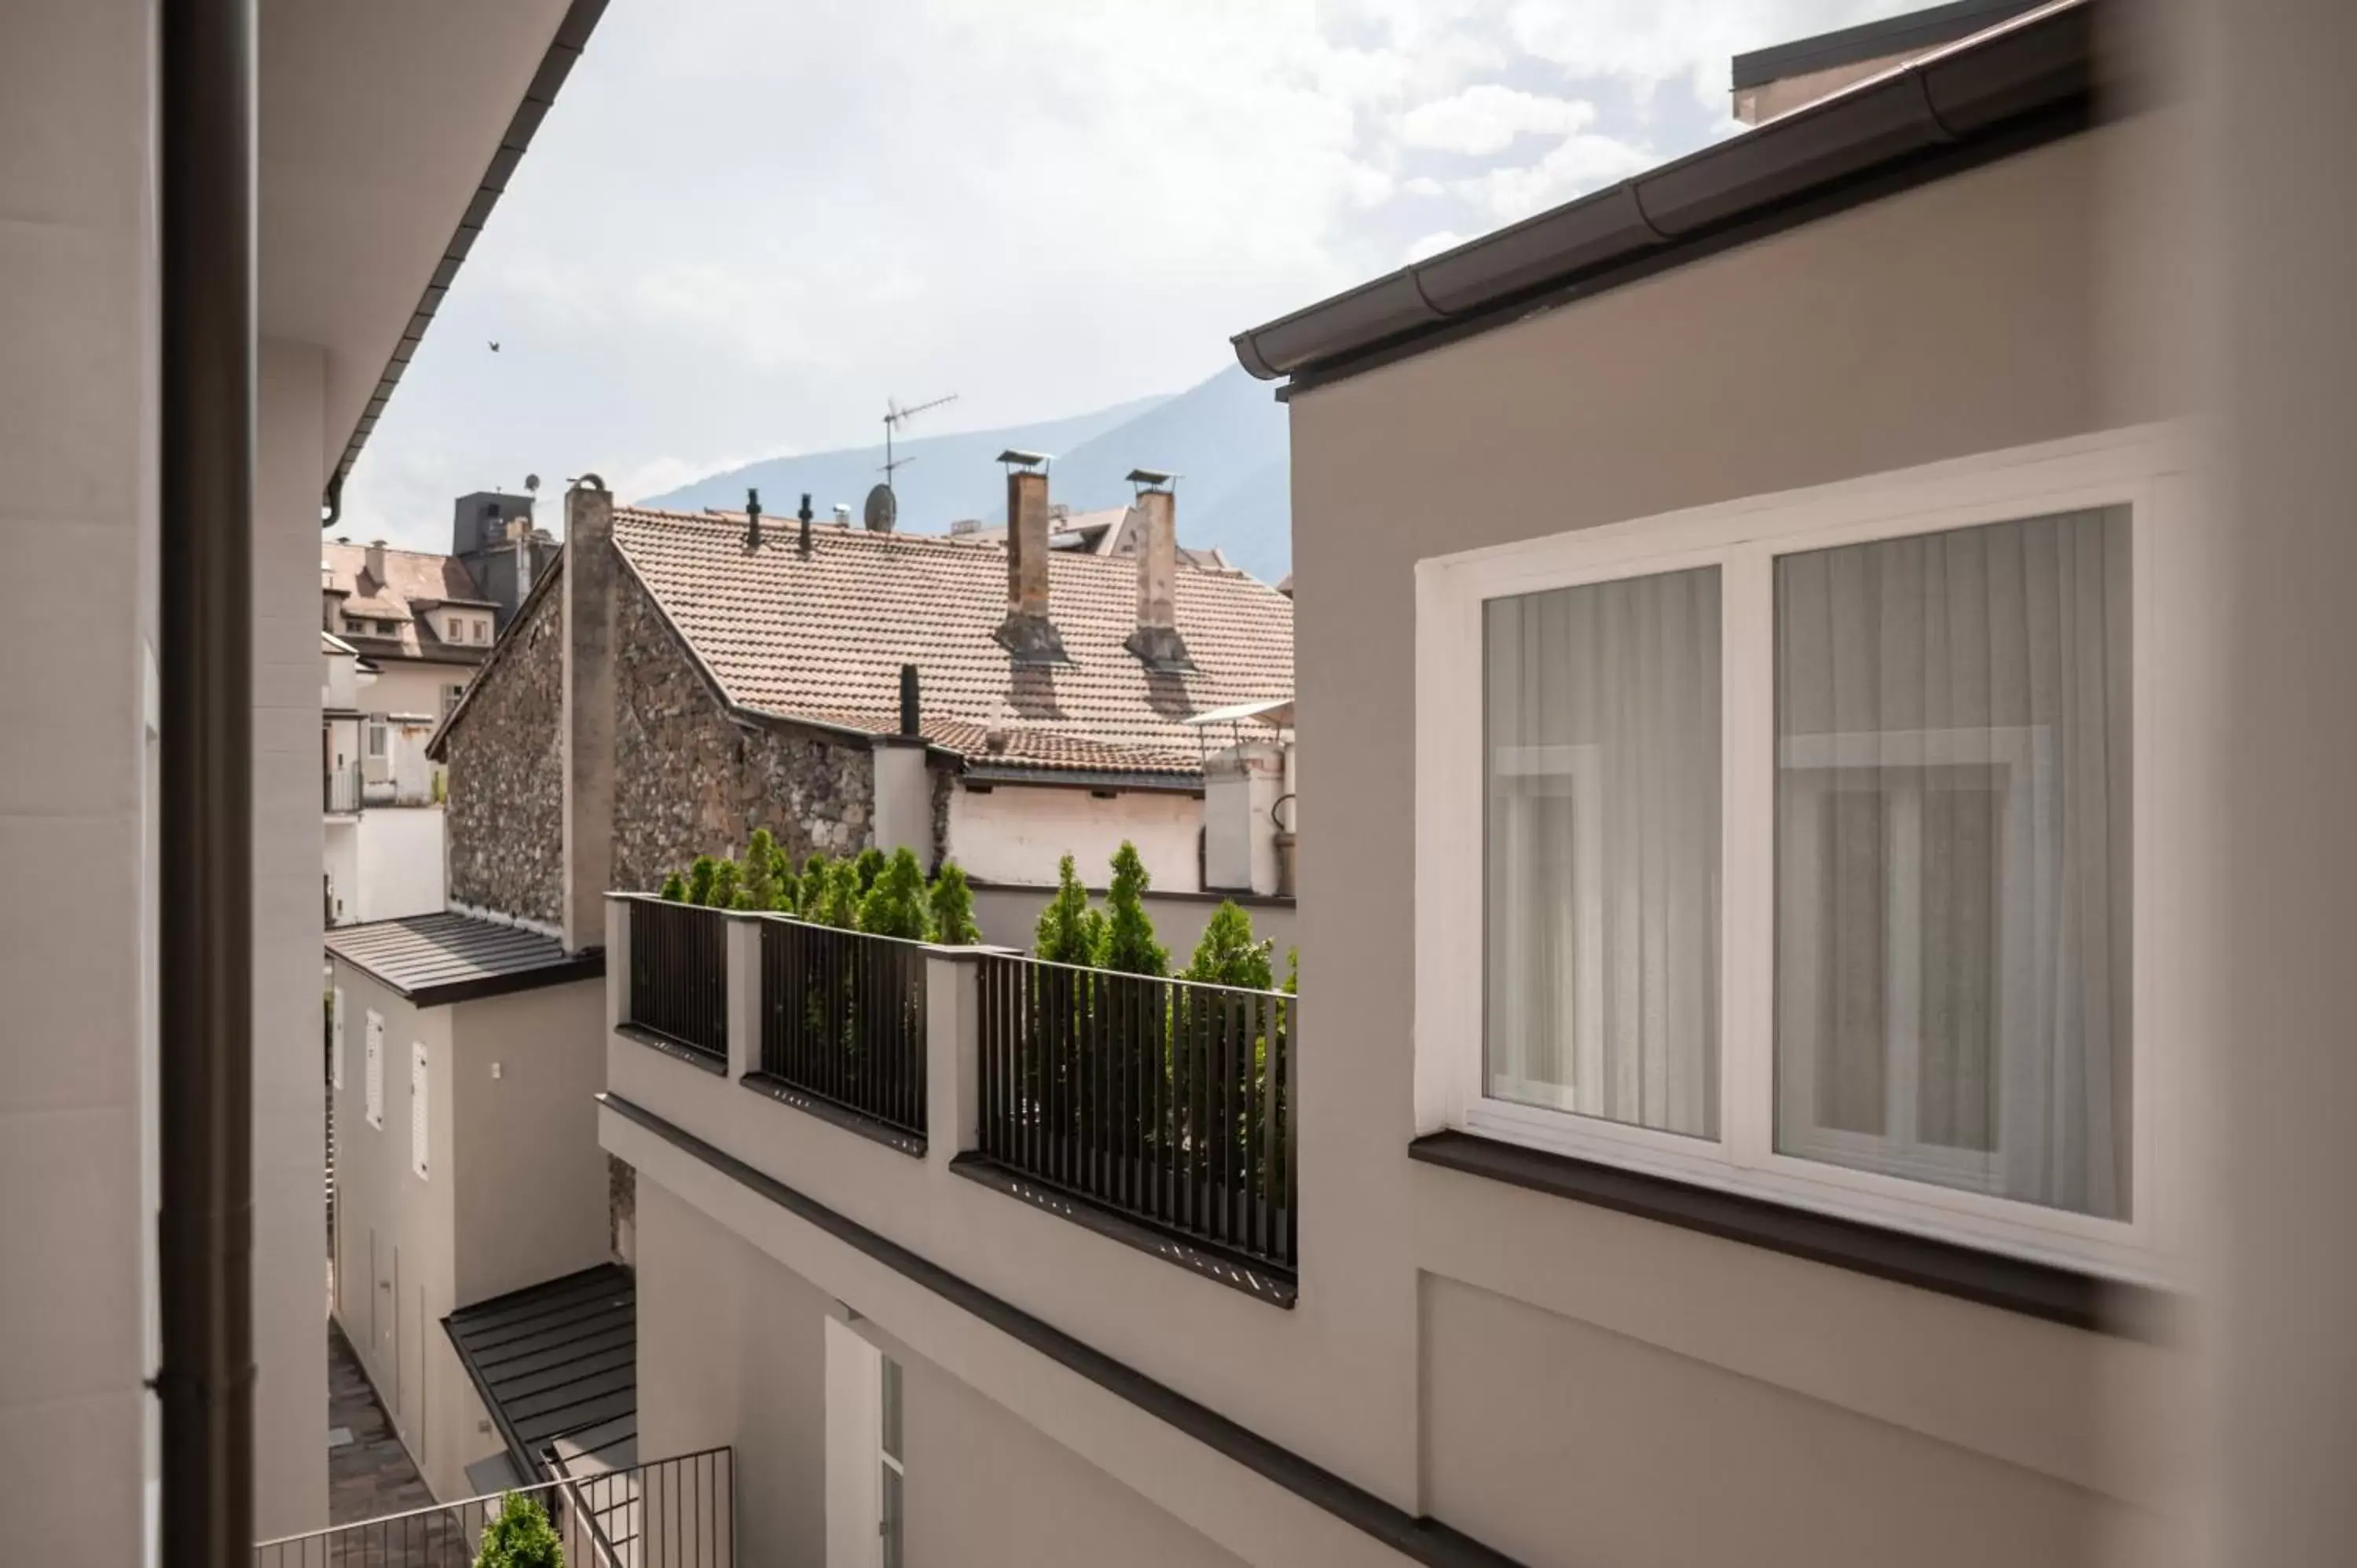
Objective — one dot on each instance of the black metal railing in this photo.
(679, 974)
(842, 1019)
(1162, 1100)
(671, 1513)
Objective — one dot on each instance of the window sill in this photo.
(1257, 1280)
(2012, 1284)
(895, 1138)
(654, 1040)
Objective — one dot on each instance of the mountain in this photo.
(1225, 438)
(950, 475)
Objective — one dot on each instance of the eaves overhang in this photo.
(2015, 85)
(572, 35)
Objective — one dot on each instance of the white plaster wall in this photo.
(78, 307)
(398, 861)
(395, 1270)
(290, 1397)
(1016, 833)
(407, 687)
(343, 869)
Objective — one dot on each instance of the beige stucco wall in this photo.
(1976, 314)
(77, 1071)
(514, 1192)
(529, 1177)
(732, 1349)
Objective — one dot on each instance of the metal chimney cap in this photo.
(1015, 457)
(1151, 477)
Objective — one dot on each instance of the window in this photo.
(378, 737)
(336, 1037)
(482, 628)
(417, 1126)
(1788, 847)
(866, 1467)
(372, 1072)
(450, 695)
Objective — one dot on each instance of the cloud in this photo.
(1487, 118)
(1432, 245)
(1575, 167)
(743, 225)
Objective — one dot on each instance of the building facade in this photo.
(756, 683)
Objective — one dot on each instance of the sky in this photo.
(747, 224)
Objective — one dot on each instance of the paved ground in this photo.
(372, 1475)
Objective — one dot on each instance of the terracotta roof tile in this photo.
(823, 640)
(416, 581)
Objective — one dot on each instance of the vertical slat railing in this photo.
(679, 974)
(842, 1019)
(1161, 1099)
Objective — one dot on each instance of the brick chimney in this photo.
(1157, 640)
(376, 562)
(1027, 632)
(589, 733)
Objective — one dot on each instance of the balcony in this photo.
(1157, 1112)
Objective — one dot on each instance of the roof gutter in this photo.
(572, 35)
(2030, 78)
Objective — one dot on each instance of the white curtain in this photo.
(1953, 833)
(1602, 834)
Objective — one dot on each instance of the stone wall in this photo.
(689, 779)
(506, 813)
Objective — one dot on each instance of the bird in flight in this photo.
(495, 345)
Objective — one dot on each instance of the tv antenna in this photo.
(894, 417)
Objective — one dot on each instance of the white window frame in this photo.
(372, 1070)
(335, 1041)
(419, 1130)
(376, 737)
(2141, 468)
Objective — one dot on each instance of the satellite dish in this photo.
(882, 510)
(531, 483)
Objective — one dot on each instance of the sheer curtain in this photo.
(1952, 838)
(1602, 840)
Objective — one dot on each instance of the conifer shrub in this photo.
(519, 1536)
(870, 866)
(1127, 943)
(674, 889)
(838, 897)
(1227, 955)
(722, 893)
(758, 880)
(1069, 931)
(952, 902)
(699, 879)
(895, 905)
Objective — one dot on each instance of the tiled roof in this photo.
(415, 581)
(824, 639)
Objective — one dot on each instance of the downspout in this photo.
(205, 1223)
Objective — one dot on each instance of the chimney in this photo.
(1027, 632)
(902, 811)
(1157, 640)
(376, 561)
(805, 516)
(588, 735)
(752, 520)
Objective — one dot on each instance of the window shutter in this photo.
(417, 1109)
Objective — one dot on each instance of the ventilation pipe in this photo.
(752, 520)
